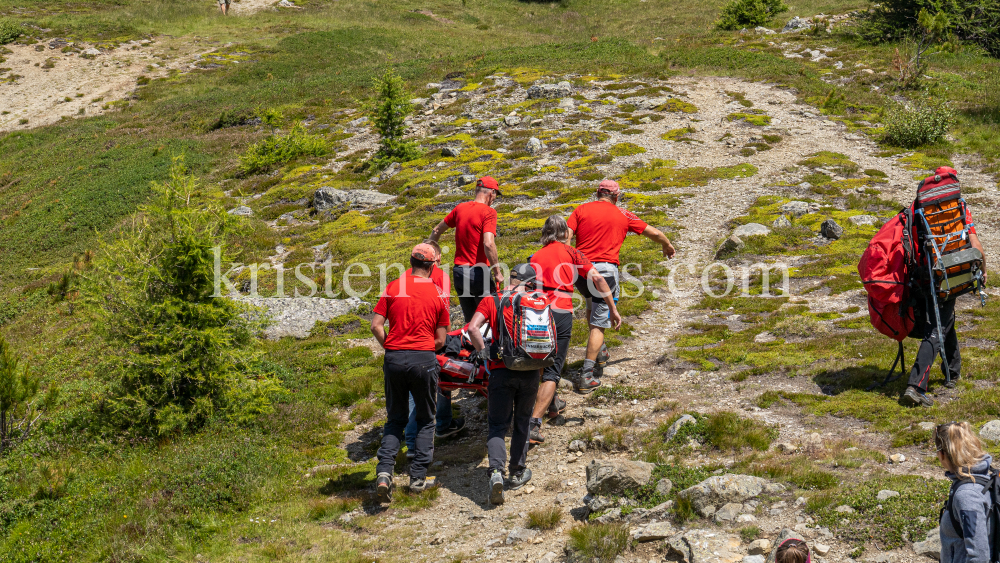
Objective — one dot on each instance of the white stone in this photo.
(897, 458)
(567, 103)
(860, 220)
(676, 426)
(886, 494)
(821, 549)
(990, 431)
(751, 230)
(764, 338)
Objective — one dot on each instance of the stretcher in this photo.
(457, 369)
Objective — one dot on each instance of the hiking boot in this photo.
(518, 480)
(410, 454)
(384, 488)
(915, 398)
(535, 433)
(496, 487)
(457, 425)
(586, 383)
(417, 484)
(950, 384)
(556, 407)
(603, 355)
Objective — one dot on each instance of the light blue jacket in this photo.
(971, 507)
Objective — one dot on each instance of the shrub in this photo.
(916, 125)
(279, 149)
(388, 112)
(737, 14)
(183, 354)
(601, 542)
(545, 518)
(9, 31)
(977, 21)
(18, 388)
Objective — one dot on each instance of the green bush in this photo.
(601, 542)
(388, 112)
(738, 14)
(977, 21)
(920, 124)
(9, 31)
(18, 386)
(182, 354)
(279, 149)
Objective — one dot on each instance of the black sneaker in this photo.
(586, 382)
(556, 407)
(518, 480)
(496, 487)
(535, 433)
(457, 425)
(384, 488)
(915, 398)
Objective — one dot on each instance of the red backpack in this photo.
(886, 268)
(531, 342)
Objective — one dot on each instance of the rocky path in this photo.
(462, 524)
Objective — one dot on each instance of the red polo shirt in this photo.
(601, 228)
(441, 281)
(470, 220)
(412, 305)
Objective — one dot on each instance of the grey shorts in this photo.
(600, 313)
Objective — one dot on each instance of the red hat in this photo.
(489, 183)
(425, 252)
(609, 186)
(942, 170)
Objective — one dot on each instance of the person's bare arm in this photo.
(604, 290)
(378, 329)
(571, 235)
(656, 235)
(440, 337)
(475, 335)
(490, 248)
(438, 230)
(974, 240)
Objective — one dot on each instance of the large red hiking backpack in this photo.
(531, 342)
(949, 263)
(885, 269)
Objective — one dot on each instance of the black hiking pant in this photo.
(511, 400)
(472, 283)
(564, 330)
(930, 346)
(409, 372)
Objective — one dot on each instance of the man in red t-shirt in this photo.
(477, 268)
(558, 266)
(511, 393)
(418, 325)
(601, 227)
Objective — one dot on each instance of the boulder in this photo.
(561, 90)
(451, 151)
(990, 431)
(729, 246)
(613, 515)
(534, 146)
(676, 426)
(796, 24)
(753, 559)
(799, 208)
(786, 448)
(728, 512)
(241, 211)
(597, 503)
(722, 489)
(654, 532)
(860, 220)
(327, 198)
(607, 477)
(518, 535)
(783, 535)
(764, 30)
(831, 230)
(931, 546)
(663, 487)
(466, 179)
(886, 494)
(704, 546)
(751, 230)
(781, 222)
(512, 121)
(745, 518)
(358, 122)
(759, 547)
(91, 52)
(578, 446)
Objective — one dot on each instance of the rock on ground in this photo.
(831, 230)
(990, 431)
(784, 535)
(241, 211)
(605, 477)
(534, 146)
(886, 494)
(796, 24)
(561, 90)
(781, 222)
(697, 546)
(326, 198)
(931, 546)
(723, 489)
(296, 317)
(676, 426)
(759, 547)
(654, 532)
(751, 230)
(518, 535)
(663, 487)
(731, 244)
(863, 220)
(799, 208)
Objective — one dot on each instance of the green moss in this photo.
(759, 120)
(923, 164)
(834, 160)
(625, 149)
(677, 106)
(679, 135)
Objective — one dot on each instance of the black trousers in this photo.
(409, 372)
(930, 346)
(472, 283)
(564, 330)
(511, 399)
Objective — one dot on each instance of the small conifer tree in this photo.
(388, 113)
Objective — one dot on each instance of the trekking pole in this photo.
(937, 314)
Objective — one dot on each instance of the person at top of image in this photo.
(600, 228)
(477, 268)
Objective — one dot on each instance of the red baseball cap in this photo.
(946, 170)
(425, 252)
(489, 183)
(609, 186)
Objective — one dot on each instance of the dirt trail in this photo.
(461, 523)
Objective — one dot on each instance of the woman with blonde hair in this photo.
(965, 526)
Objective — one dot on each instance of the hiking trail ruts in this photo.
(462, 524)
